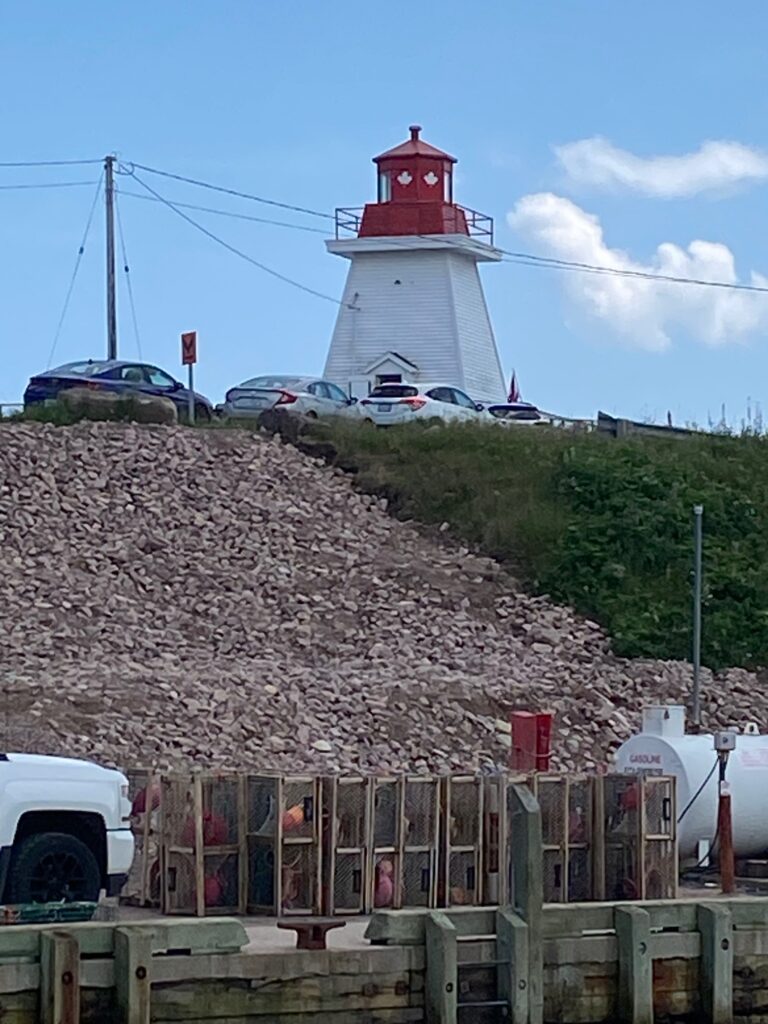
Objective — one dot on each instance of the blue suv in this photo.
(113, 375)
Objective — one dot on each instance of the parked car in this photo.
(514, 414)
(113, 375)
(307, 395)
(390, 404)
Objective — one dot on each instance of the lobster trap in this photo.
(566, 804)
(658, 866)
(349, 808)
(419, 842)
(283, 843)
(462, 836)
(202, 858)
(493, 875)
(636, 830)
(404, 846)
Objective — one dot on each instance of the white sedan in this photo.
(306, 395)
(390, 404)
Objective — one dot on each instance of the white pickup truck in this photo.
(64, 829)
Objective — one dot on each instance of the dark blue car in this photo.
(113, 375)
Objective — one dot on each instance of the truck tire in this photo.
(50, 867)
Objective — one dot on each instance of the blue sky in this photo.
(291, 100)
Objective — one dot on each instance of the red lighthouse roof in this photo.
(415, 197)
(414, 146)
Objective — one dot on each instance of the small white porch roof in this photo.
(391, 357)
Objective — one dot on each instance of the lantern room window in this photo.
(385, 187)
(448, 185)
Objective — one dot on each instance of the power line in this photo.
(529, 260)
(227, 191)
(551, 263)
(234, 249)
(231, 213)
(78, 260)
(48, 184)
(128, 282)
(525, 259)
(48, 163)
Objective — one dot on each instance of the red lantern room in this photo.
(415, 193)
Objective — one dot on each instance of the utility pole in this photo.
(109, 196)
(698, 512)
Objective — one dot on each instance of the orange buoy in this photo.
(293, 817)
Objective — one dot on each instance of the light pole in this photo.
(698, 513)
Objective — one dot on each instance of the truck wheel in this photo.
(50, 867)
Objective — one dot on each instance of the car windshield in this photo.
(504, 412)
(271, 382)
(88, 369)
(394, 391)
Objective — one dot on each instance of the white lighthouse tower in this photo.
(413, 307)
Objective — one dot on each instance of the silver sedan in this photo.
(306, 395)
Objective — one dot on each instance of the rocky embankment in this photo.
(173, 596)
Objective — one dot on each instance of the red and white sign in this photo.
(189, 348)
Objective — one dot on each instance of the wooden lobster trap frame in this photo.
(385, 889)
(494, 874)
(462, 835)
(283, 843)
(348, 803)
(635, 837)
(203, 860)
(143, 886)
(419, 822)
(404, 815)
(658, 824)
(567, 825)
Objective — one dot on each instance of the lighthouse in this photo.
(413, 307)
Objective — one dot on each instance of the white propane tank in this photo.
(663, 748)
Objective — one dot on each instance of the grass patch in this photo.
(601, 524)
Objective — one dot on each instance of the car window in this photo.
(134, 374)
(270, 382)
(461, 399)
(158, 378)
(394, 391)
(317, 388)
(335, 392)
(442, 395)
(88, 369)
(507, 412)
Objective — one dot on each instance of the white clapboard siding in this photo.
(428, 306)
(483, 376)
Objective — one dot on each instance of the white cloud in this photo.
(645, 313)
(715, 165)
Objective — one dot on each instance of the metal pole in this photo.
(698, 512)
(191, 396)
(109, 195)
